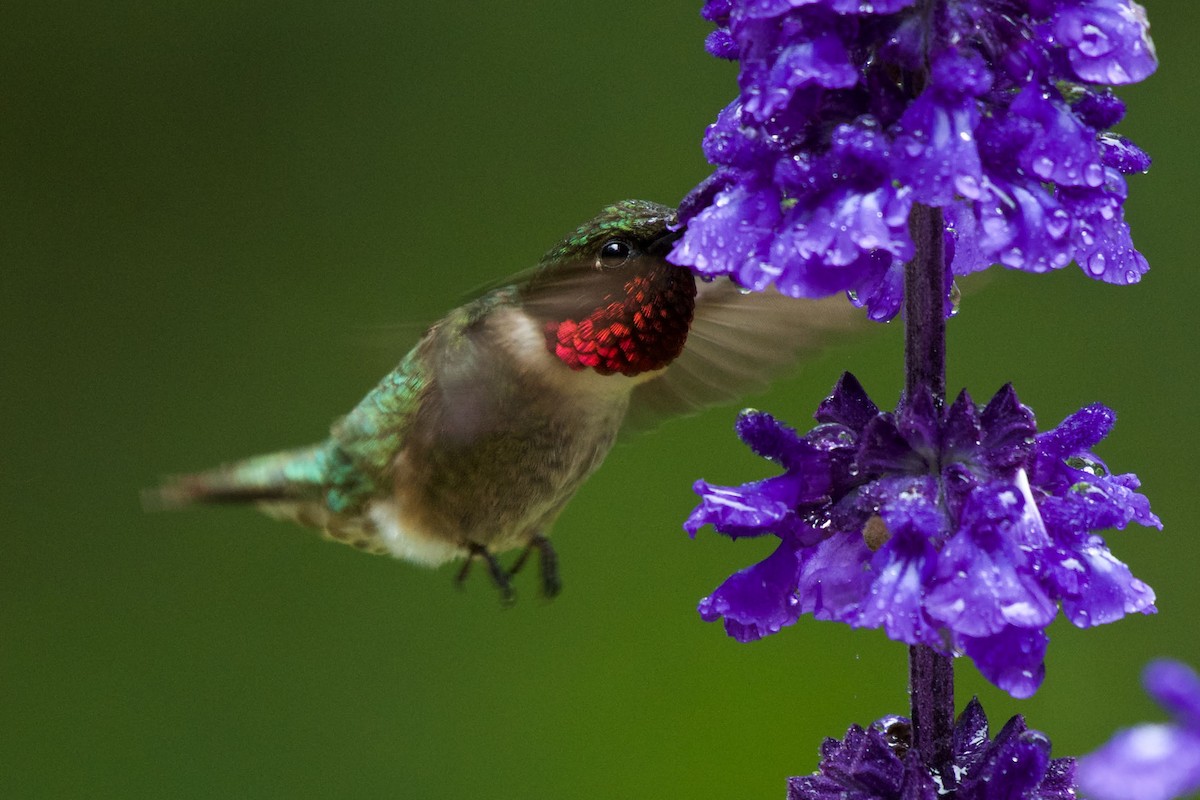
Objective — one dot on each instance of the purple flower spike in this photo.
(1152, 762)
(851, 112)
(879, 763)
(960, 528)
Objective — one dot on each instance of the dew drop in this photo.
(895, 215)
(967, 186)
(1043, 166)
(1117, 74)
(1013, 257)
(1096, 264)
(1095, 42)
(1058, 223)
(994, 226)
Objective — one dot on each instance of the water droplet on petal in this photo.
(1043, 166)
(1095, 42)
(1096, 264)
(1058, 223)
(967, 186)
(1013, 257)
(994, 226)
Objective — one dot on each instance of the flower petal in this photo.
(1148, 762)
(758, 600)
(1012, 659)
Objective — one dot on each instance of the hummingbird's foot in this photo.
(500, 577)
(547, 561)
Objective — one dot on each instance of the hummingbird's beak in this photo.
(662, 245)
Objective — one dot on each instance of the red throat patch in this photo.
(644, 329)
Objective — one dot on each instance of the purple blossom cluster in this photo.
(1152, 762)
(955, 527)
(880, 763)
(852, 111)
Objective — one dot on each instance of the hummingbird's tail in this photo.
(291, 476)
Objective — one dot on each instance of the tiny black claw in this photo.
(460, 580)
(547, 563)
(500, 577)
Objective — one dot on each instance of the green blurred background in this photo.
(222, 222)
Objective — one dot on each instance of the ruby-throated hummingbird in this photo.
(474, 444)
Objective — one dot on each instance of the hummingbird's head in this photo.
(606, 297)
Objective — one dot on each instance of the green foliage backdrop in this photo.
(221, 222)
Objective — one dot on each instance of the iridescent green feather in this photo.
(341, 473)
(366, 440)
(290, 476)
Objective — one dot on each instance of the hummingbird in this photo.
(473, 445)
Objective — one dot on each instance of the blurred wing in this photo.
(739, 341)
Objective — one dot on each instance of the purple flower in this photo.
(960, 528)
(1152, 762)
(880, 763)
(849, 112)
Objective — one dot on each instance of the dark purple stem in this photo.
(930, 674)
(924, 306)
(931, 689)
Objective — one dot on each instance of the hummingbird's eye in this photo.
(614, 253)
